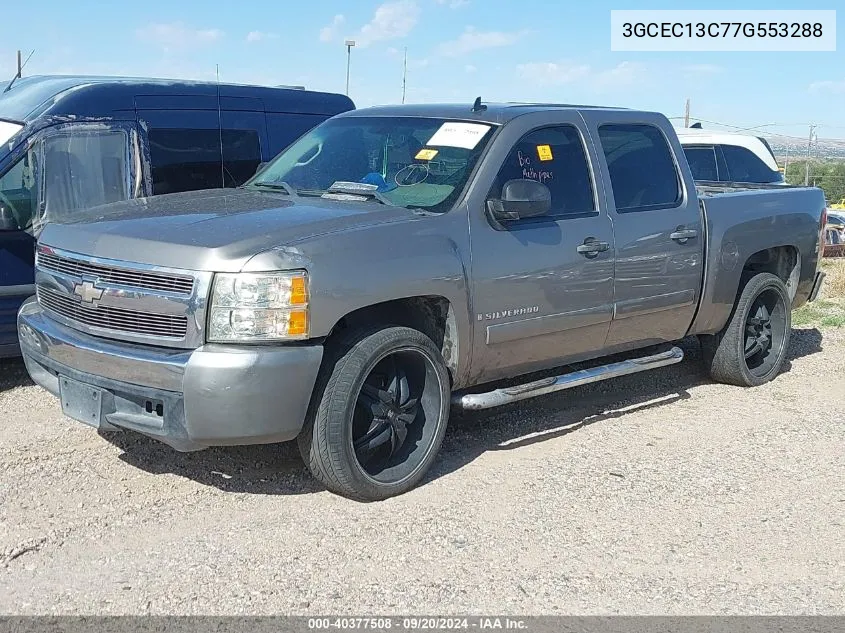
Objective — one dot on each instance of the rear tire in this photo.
(381, 417)
(750, 350)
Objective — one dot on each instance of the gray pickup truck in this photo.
(395, 262)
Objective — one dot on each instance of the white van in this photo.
(729, 156)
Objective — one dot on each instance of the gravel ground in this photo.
(660, 493)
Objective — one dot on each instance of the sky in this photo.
(501, 50)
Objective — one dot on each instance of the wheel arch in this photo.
(433, 315)
(726, 278)
(783, 261)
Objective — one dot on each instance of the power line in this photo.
(775, 134)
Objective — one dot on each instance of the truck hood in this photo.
(217, 230)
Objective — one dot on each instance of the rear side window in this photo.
(284, 129)
(188, 160)
(242, 156)
(642, 171)
(702, 162)
(554, 156)
(745, 166)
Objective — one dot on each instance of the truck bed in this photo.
(744, 221)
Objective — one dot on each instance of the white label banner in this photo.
(723, 30)
(458, 134)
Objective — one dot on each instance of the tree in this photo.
(828, 175)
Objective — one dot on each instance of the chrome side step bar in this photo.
(505, 395)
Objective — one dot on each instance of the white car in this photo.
(729, 157)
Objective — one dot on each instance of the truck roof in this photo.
(68, 95)
(494, 113)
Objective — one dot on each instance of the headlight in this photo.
(258, 307)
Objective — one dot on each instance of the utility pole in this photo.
(809, 149)
(349, 45)
(786, 162)
(404, 74)
(686, 114)
(20, 66)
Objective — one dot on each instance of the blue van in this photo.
(69, 143)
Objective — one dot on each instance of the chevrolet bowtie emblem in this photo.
(87, 292)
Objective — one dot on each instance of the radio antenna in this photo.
(20, 70)
(404, 74)
(220, 130)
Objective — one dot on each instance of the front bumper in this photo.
(217, 395)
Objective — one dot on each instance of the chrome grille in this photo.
(111, 318)
(143, 279)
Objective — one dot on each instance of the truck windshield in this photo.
(405, 161)
(84, 166)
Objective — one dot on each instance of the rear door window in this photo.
(189, 160)
(745, 166)
(643, 174)
(702, 162)
(185, 160)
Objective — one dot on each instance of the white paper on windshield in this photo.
(458, 134)
(8, 130)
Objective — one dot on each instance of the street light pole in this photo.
(349, 45)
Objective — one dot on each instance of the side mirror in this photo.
(7, 220)
(521, 198)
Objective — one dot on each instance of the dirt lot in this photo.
(657, 493)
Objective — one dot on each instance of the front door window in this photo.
(18, 191)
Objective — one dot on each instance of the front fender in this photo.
(369, 265)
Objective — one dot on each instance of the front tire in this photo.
(750, 350)
(381, 416)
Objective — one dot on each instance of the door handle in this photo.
(681, 235)
(591, 248)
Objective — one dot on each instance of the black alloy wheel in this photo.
(381, 416)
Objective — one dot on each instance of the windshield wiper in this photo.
(360, 189)
(279, 185)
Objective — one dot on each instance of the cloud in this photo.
(257, 36)
(552, 73)
(392, 20)
(330, 32)
(454, 4)
(702, 69)
(623, 74)
(470, 68)
(832, 88)
(177, 36)
(471, 40)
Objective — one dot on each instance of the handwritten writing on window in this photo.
(532, 173)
